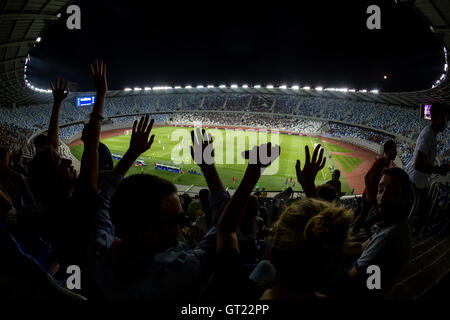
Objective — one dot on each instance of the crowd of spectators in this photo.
(395, 119)
(134, 238)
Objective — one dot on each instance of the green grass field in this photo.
(335, 148)
(292, 148)
(347, 163)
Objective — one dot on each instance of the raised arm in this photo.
(89, 160)
(59, 92)
(139, 143)
(230, 218)
(312, 166)
(202, 152)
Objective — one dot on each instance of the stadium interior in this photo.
(342, 117)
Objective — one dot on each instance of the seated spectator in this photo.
(326, 192)
(336, 184)
(263, 192)
(371, 180)
(389, 247)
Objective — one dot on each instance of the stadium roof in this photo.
(23, 21)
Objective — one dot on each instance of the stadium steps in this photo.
(347, 114)
(370, 117)
(322, 110)
(427, 269)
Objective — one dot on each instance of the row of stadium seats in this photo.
(402, 121)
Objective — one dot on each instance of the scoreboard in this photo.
(425, 111)
(85, 101)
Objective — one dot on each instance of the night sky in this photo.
(324, 44)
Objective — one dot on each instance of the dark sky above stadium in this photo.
(315, 43)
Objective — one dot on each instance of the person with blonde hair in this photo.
(307, 248)
(307, 241)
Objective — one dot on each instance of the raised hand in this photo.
(61, 90)
(312, 166)
(202, 150)
(139, 142)
(260, 157)
(98, 75)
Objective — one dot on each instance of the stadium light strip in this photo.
(269, 86)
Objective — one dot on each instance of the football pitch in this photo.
(171, 146)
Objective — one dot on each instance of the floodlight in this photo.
(245, 86)
(257, 86)
(127, 89)
(210, 86)
(307, 88)
(295, 87)
(319, 88)
(38, 39)
(283, 86)
(234, 86)
(137, 89)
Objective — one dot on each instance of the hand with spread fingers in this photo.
(202, 150)
(139, 142)
(97, 71)
(61, 90)
(307, 176)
